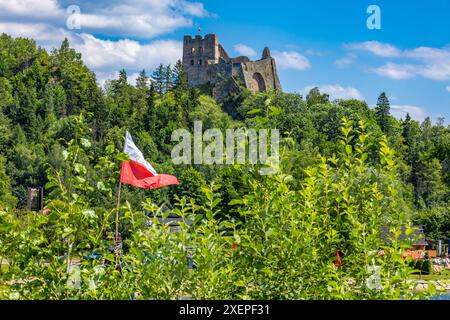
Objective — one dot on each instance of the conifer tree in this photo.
(383, 112)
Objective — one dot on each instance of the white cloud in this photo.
(430, 63)
(427, 53)
(29, 9)
(98, 54)
(377, 48)
(396, 71)
(45, 22)
(315, 53)
(105, 54)
(132, 78)
(448, 88)
(244, 50)
(145, 25)
(195, 9)
(126, 18)
(291, 60)
(46, 35)
(335, 91)
(400, 111)
(345, 61)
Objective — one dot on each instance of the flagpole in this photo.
(117, 223)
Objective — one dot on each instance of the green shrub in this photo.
(282, 246)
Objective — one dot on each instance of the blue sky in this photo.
(316, 43)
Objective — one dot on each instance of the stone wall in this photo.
(207, 62)
(198, 55)
(261, 75)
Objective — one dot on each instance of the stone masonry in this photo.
(207, 63)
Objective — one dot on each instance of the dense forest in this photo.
(50, 100)
(43, 93)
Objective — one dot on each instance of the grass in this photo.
(3, 292)
(3, 265)
(445, 275)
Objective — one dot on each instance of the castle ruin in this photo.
(207, 63)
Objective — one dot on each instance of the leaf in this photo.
(101, 186)
(431, 288)
(80, 169)
(235, 202)
(165, 215)
(85, 143)
(123, 157)
(208, 193)
(50, 184)
(6, 227)
(81, 179)
(110, 149)
(65, 154)
(216, 202)
(409, 231)
(254, 111)
(67, 232)
(274, 111)
(348, 149)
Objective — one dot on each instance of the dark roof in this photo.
(417, 237)
(172, 219)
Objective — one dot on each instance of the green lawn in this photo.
(445, 275)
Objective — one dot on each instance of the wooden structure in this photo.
(35, 199)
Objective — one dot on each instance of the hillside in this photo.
(345, 169)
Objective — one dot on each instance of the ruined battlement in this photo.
(198, 37)
(207, 63)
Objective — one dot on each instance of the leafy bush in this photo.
(282, 246)
(421, 266)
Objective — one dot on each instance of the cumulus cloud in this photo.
(45, 22)
(30, 10)
(102, 55)
(244, 50)
(195, 9)
(396, 71)
(346, 61)
(378, 48)
(45, 35)
(335, 91)
(126, 18)
(105, 54)
(400, 112)
(315, 53)
(427, 62)
(291, 60)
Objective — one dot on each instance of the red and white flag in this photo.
(139, 173)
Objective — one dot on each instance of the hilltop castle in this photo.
(207, 63)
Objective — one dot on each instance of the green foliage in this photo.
(436, 222)
(383, 112)
(282, 247)
(338, 182)
(6, 198)
(421, 266)
(210, 114)
(315, 97)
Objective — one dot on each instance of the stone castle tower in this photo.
(207, 63)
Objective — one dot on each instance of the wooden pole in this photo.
(117, 225)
